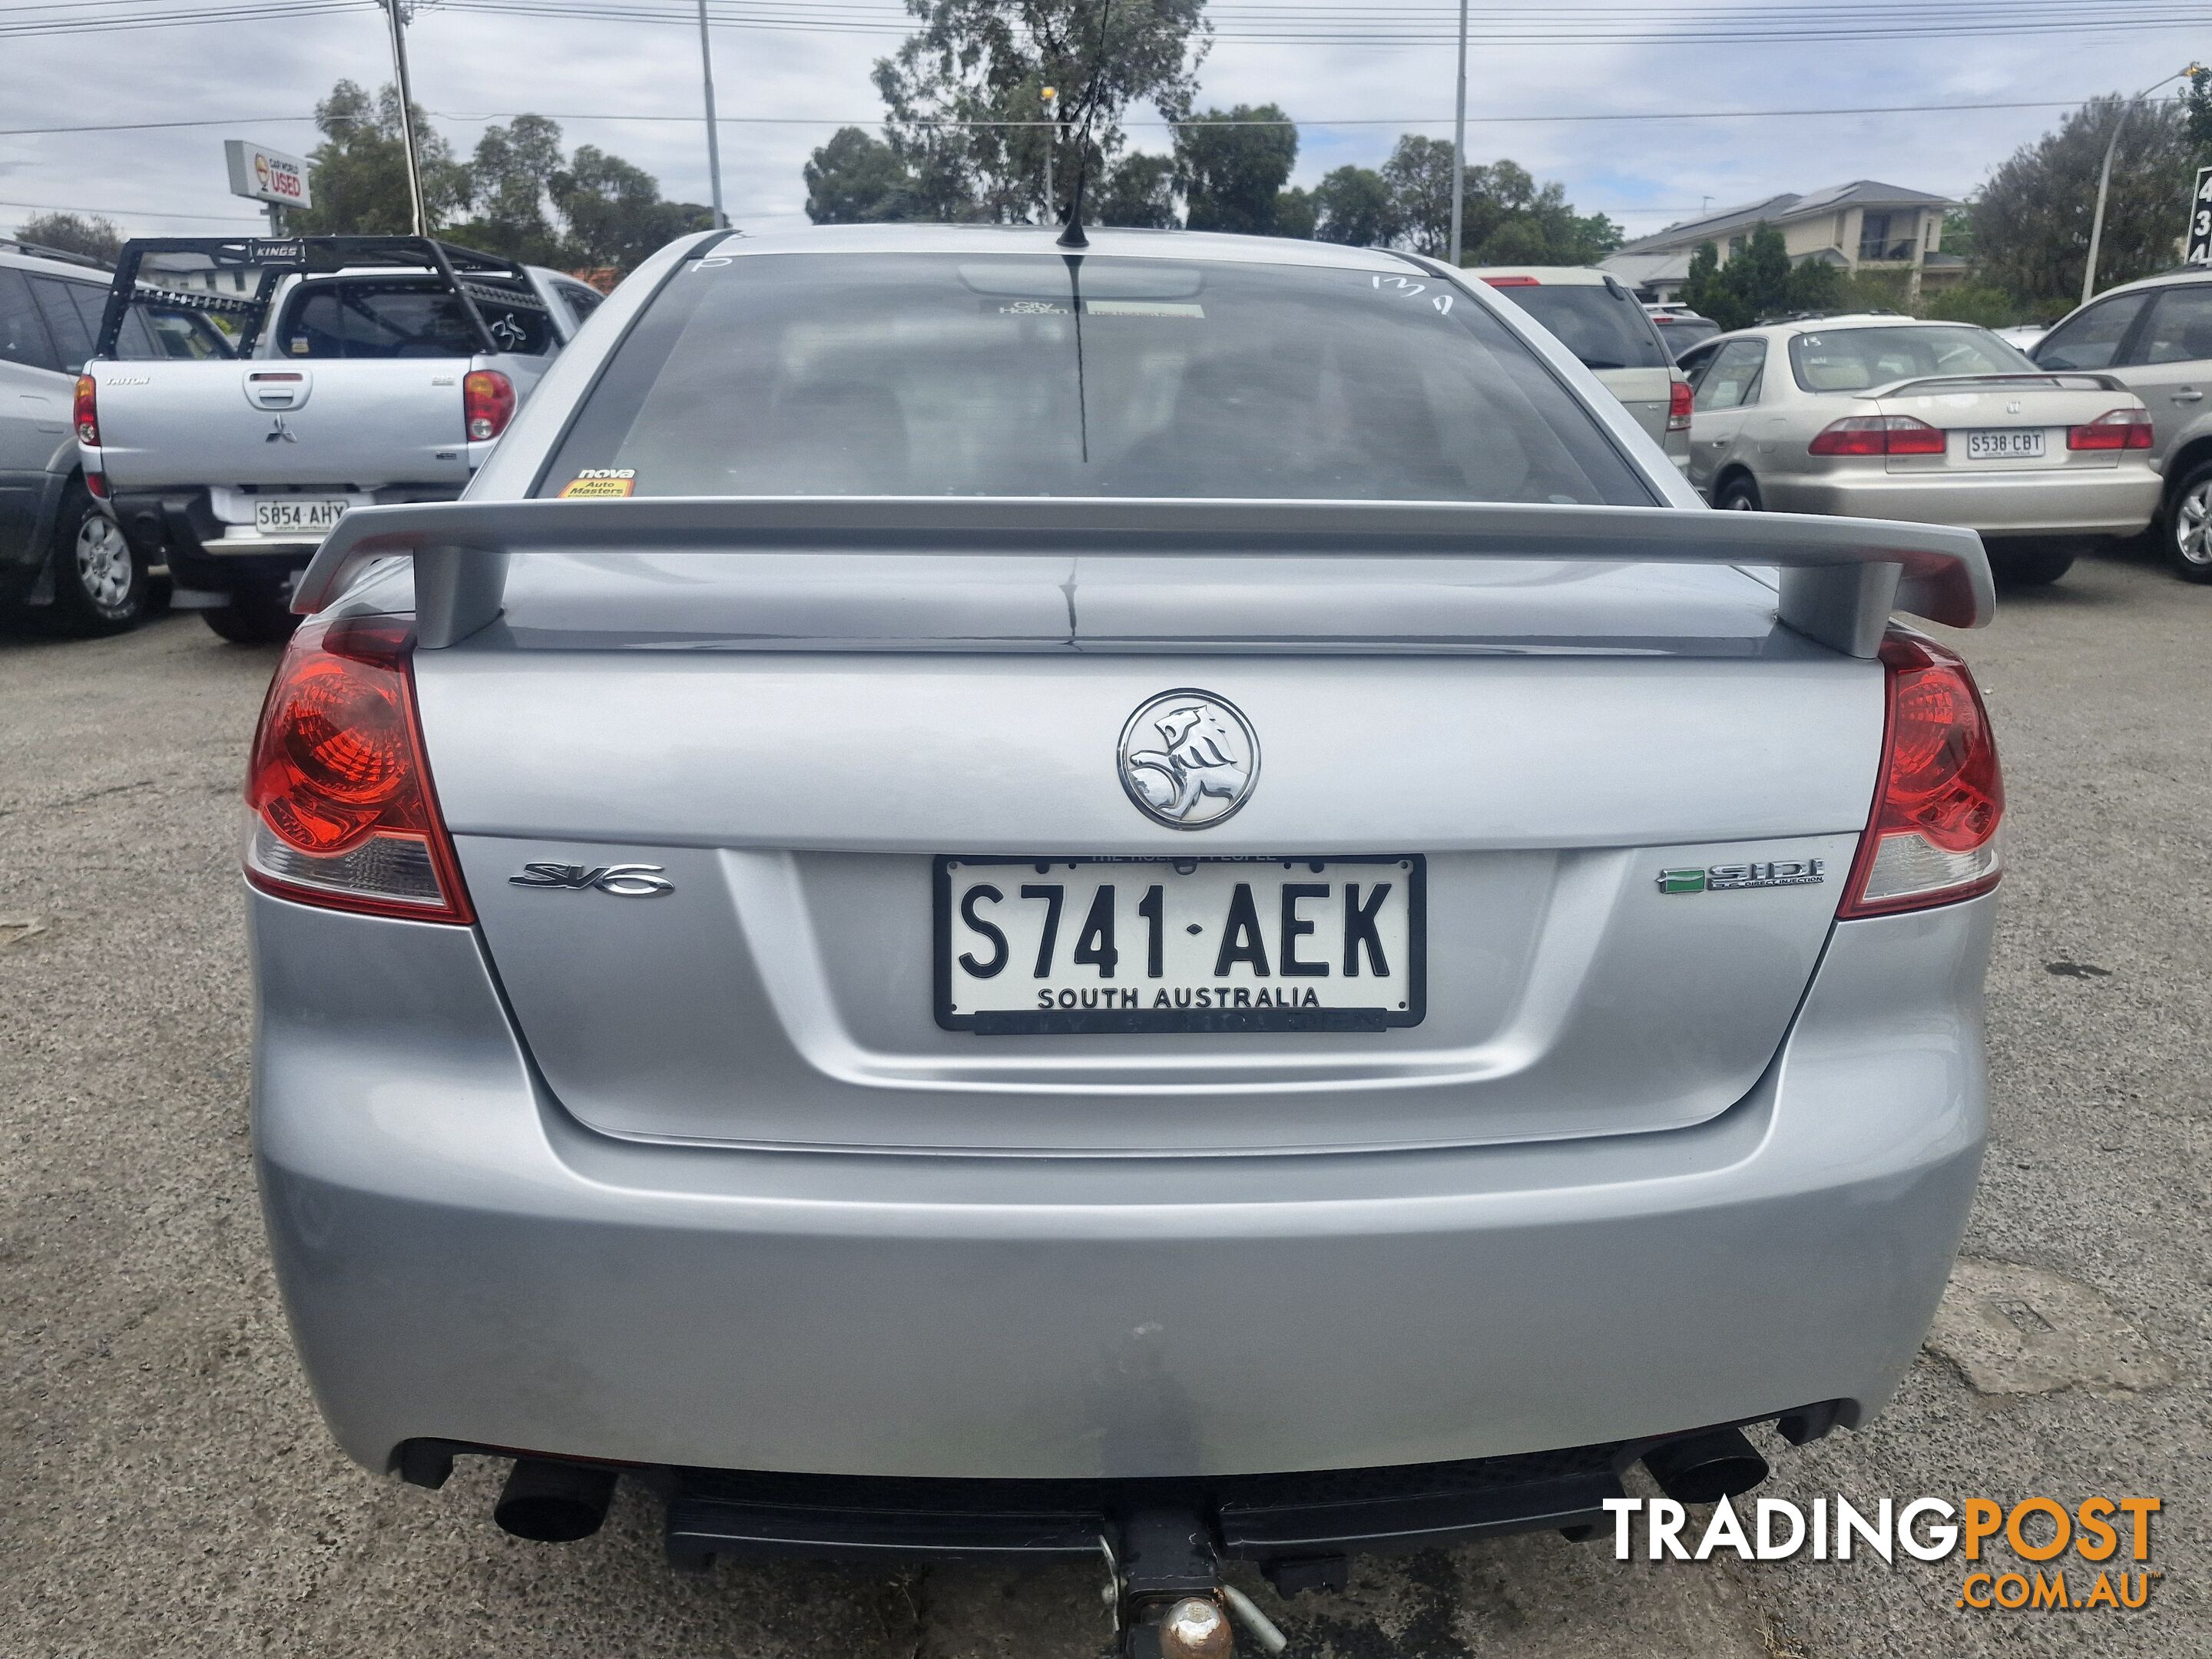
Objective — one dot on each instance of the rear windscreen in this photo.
(1599, 324)
(1035, 375)
(362, 317)
(1854, 359)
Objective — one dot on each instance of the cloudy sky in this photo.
(259, 70)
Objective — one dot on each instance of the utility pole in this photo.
(1051, 95)
(2105, 180)
(406, 115)
(713, 134)
(1459, 143)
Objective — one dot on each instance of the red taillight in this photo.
(97, 483)
(1877, 435)
(1678, 406)
(1512, 282)
(340, 809)
(1933, 836)
(87, 417)
(487, 404)
(2116, 428)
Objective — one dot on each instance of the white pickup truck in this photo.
(343, 370)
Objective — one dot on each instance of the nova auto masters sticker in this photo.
(600, 483)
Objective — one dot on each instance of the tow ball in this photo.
(1164, 1587)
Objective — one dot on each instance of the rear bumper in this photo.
(2117, 500)
(462, 1262)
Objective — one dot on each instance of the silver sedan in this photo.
(1132, 906)
(1884, 416)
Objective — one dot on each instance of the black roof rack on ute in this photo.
(470, 273)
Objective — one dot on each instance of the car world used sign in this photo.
(266, 175)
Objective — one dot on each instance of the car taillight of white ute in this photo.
(1932, 838)
(340, 810)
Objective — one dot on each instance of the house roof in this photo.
(1777, 209)
(1638, 268)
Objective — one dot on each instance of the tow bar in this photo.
(1166, 1592)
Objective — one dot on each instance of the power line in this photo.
(1277, 25)
(878, 118)
(130, 213)
(234, 14)
(1535, 25)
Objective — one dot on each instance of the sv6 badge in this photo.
(623, 880)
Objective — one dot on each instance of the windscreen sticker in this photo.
(600, 483)
(1406, 288)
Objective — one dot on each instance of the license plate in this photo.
(2010, 445)
(1180, 944)
(282, 514)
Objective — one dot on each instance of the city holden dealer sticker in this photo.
(600, 484)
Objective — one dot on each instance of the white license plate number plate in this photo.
(2007, 444)
(1038, 946)
(293, 514)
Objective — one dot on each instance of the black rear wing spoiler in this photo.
(468, 272)
(1840, 577)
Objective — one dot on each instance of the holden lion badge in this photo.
(1188, 759)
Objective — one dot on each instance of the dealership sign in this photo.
(266, 175)
(2200, 221)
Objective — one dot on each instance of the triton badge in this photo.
(1726, 877)
(623, 880)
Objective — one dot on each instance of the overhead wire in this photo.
(1580, 117)
(1278, 23)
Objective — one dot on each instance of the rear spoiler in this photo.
(2073, 380)
(1840, 577)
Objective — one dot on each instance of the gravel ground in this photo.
(170, 1488)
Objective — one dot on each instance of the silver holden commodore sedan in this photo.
(1890, 417)
(1150, 905)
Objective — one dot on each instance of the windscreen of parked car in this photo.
(1679, 334)
(2091, 339)
(1598, 323)
(940, 374)
(373, 317)
(72, 310)
(1853, 359)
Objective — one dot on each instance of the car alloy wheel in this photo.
(2192, 523)
(105, 568)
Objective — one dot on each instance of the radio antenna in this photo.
(1072, 237)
